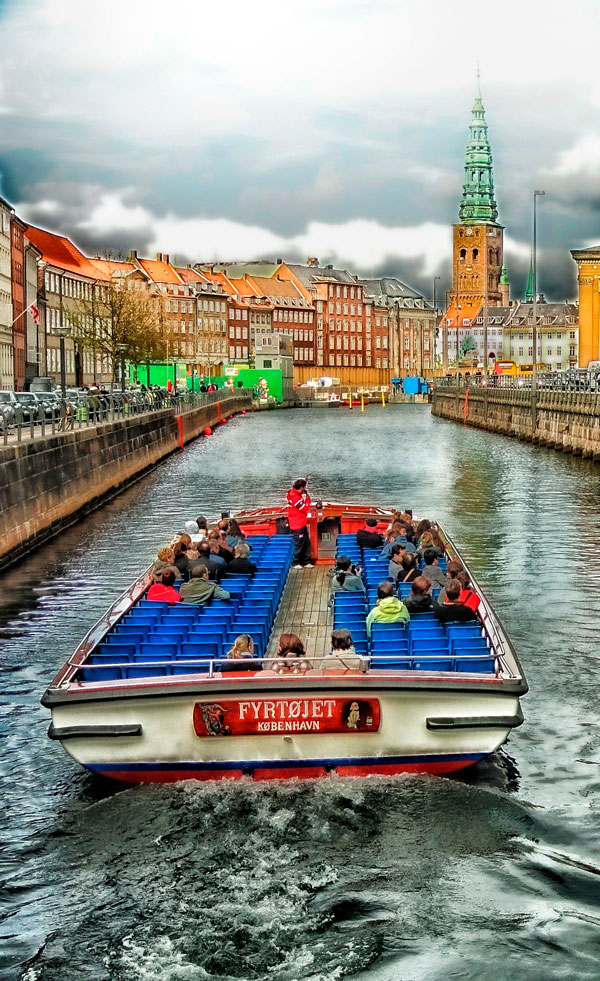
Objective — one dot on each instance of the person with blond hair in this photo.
(164, 560)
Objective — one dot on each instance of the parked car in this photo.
(7, 409)
(30, 406)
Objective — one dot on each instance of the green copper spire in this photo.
(504, 277)
(529, 293)
(478, 205)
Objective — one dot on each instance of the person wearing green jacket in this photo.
(389, 608)
(200, 589)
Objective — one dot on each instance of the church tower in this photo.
(478, 249)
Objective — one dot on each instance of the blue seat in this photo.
(475, 665)
(147, 671)
(180, 667)
(100, 674)
(207, 649)
(167, 651)
(127, 631)
(471, 645)
(108, 658)
(429, 644)
(389, 647)
(149, 658)
(166, 637)
(118, 651)
(433, 663)
(392, 663)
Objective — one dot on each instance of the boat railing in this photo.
(213, 667)
(499, 642)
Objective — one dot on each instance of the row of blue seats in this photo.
(448, 644)
(156, 632)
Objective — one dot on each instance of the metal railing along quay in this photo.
(576, 382)
(53, 415)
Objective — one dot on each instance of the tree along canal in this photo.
(493, 875)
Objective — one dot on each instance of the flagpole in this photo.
(23, 312)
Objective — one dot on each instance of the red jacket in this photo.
(299, 504)
(163, 594)
(468, 598)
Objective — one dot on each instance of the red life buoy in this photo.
(207, 431)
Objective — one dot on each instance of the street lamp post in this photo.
(536, 194)
(121, 348)
(62, 332)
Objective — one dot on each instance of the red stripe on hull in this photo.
(437, 767)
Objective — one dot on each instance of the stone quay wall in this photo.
(47, 483)
(566, 421)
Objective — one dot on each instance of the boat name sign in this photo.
(263, 716)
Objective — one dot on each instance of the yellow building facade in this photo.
(588, 279)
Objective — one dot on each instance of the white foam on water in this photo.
(157, 959)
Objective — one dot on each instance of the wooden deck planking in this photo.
(303, 611)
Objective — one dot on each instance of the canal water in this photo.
(491, 875)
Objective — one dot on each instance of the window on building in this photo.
(559, 350)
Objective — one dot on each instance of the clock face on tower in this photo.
(469, 231)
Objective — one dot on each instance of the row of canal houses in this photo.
(362, 330)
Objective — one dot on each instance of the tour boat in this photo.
(149, 695)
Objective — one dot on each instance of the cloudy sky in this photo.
(285, 129)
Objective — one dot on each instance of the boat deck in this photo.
(303, 611)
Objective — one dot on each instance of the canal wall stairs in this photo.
(48, 482)
(567, 421)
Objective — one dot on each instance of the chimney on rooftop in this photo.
(159, 256)
(133, 255)
(279, 261)
(329, 266)
(312, 261)
(166, 258)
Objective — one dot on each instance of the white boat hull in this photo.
(431, 730)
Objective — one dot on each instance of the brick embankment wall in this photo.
(567, 421)
(46, 483)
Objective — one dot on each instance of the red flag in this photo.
(35, 313)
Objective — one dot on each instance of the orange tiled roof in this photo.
(189, 275)
(160, 272)
(455, 317)
(112, 266)
(221, 280)
(271, 287)
(59, 251)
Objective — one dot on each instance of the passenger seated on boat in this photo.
(240, 656)
(428, 540)
(400, 533)
(223, 549)
(291, 651)
(452, 610)
(181, 560)
(453, 568)
(200, 589)
(192, 528)
(367, 537)
(397, 553)
(419, 599)
(407, 521)
(163, 591)
(243, 647)
(164, 560)
(467, 596)
(347, 577)
(202, 526)
(420, 530)
(240, 563)
(431, 569)
(410, 569)
(206, 557)
(235, 535)
(215, 552)
(389, 608)
(342, 656)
